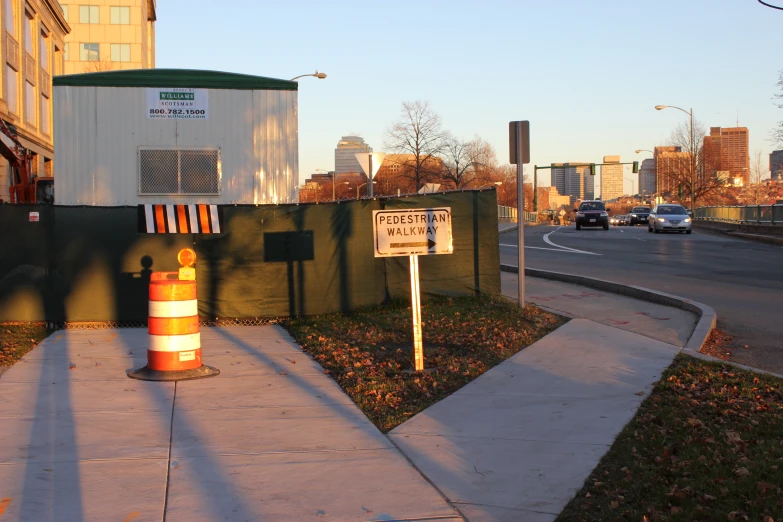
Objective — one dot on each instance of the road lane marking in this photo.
(552, 249)
(565, 248)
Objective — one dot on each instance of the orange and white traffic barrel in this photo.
(174, 339)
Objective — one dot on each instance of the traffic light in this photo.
(635, 167)
(592, 169)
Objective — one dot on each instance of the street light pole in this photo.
(692, 151)
(360, 186)
(632, 181)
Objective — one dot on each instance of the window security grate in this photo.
(173, 171)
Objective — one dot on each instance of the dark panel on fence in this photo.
(91, 264)
(25, 259)
(238, 277)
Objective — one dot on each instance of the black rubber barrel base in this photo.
(145, 374)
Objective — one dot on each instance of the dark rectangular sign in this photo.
(519, 139)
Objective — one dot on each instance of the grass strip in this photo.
(16, 339)
(707, 444)
(370, 354)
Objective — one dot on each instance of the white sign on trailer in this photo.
(177, 103)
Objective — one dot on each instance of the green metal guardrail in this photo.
(758, 214)
(511, 214)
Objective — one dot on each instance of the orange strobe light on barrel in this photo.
(174, 350)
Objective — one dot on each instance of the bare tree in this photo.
(419, 138)
(758, 173)
(483, 160)
(777, 132)
(457, 167)
(690, 174)
(507, 191)
(98, 66)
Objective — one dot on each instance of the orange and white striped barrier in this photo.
(174, 349)
(174, 338)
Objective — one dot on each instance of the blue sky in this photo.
(586, 74)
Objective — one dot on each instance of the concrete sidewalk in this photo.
(274, 438)
(517, 443)
(271, 438)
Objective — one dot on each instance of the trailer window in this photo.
(179, 172)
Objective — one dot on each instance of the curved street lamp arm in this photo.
(770, 5)
(317, 74)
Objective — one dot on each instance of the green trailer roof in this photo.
(185, 78)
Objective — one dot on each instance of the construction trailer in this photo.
(163, 136)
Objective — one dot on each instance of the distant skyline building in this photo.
(776, 165)
(611, 179)
(647, 177)
(671, 165)
(726, 150)
(345, 161)
(549, 198)
(575, 182)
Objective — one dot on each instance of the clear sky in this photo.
(586, 74)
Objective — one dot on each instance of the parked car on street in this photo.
(592, 214)
(669, 217)
(639, 215)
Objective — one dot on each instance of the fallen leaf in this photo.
(614, 504)
(640, 393)
(741, 472)
(676, 510)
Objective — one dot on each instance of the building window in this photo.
(172, 171)
(10, 17)
(29, 102)
(28, 34)
(65, 12)
(66, 51)
(58, 64)
(120, 52)
(44, 114)
(120, 15)
(89, 14)
(43, 53)
(12, 84)
(88, 52)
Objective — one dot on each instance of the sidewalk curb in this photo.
(706, 314)
(757, 237)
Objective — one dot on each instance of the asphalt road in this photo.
(741, 280)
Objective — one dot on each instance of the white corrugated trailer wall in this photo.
(99, 130)
(276, 144)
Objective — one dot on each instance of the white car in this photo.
(669, 217)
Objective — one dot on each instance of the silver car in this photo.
(669, 217)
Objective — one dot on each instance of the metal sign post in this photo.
(370, 162)
(418, 347)
(519, 154)
(413, 232)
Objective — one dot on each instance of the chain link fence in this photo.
(204, 323)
